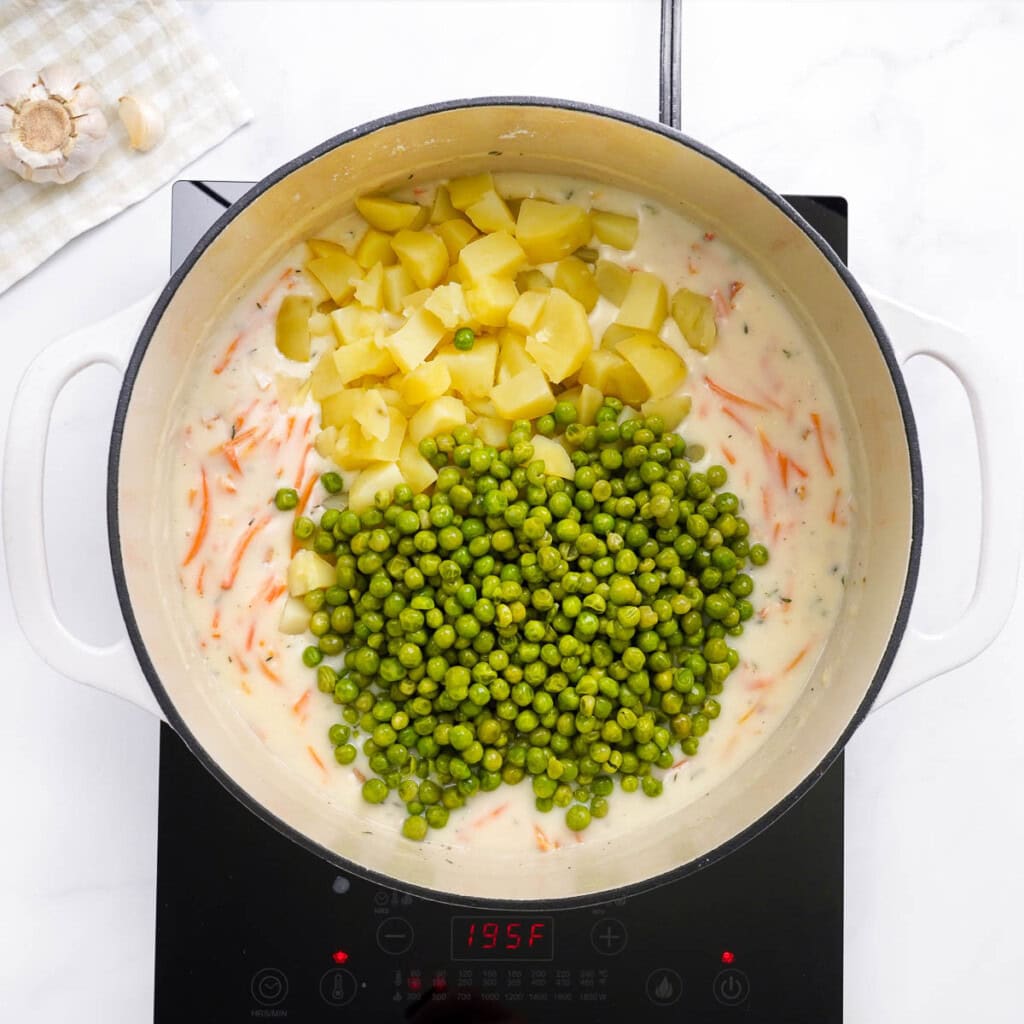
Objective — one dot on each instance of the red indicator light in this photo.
(440, 984)
(415, 983)
(339, 956)
(727, 957)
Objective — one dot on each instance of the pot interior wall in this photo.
(598, 147)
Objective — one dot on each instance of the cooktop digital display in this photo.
(250, 926)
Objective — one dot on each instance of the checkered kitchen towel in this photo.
(146, 48)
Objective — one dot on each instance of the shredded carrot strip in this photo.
(316, 758)
(728, 412)
(199, 579)
(796, 661)
(192, 492)
(228, 484)
(242, 417)
(246, 688)
(215, 622)
(302, 466)
(784, 469)
(797, 468)
(291, 427)
(236, 559)
(761, 684)
(276, 592)
(273, 288)
(543, 843)
(816, 420)
(709, 236)
(490, 816)
(721, 304)
(766, 445)
(358, 774)
(775, 533)
(746, 714)
(204, 522)
(268, 672)
(306, 426)
(735, 287)
(731, 396)
(691, 267)
(678, 764)
(305, 495)
(241, 662)
(729, 457)
(250, 637)
(300, 703)
(226, 359)
(766, 502)
(834, 516)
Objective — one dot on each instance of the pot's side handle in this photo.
(926, 655)
(112, 668)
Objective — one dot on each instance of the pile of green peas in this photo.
(514, 625)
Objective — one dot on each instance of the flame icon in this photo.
(664, 988)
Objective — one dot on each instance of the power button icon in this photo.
(731, 987)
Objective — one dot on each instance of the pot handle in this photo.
(112, 668)
(922, 655)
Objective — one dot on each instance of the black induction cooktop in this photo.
(250, 926)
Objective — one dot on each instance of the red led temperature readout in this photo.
(502, 938)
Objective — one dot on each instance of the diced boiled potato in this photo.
(448, 304)
(549, 231)
(416, 471)
(694, 314)
(673, 409)
(353, 323)
(319, 325)
(489, 213)
(382, 476)
(325, 380)
(427, 382)
(490, 300)
(610, 374)
(526, 395)
(354, 450)
(423, 254)
(371, 413)
(555, 458)
(563, 338)
(590, 401)
(325, 247)
(454, 275)
(472, 372)
(308, 571)
(442, 208)
(294, 619)
(415, 300)
(415, 339)
(532, 280)
(494, 255)
(523, 316)
(614, 229)
(393, 397)
(646, 303)
(397, 285)
(492, 430)
(512, 358)
(614, 333)
(336, 410)
(375, 247)
(456, 235)
(658, 366)
(575, 277)
(387, 214)
(363, 359)
(481, 406)
(325, 442)
(463, 192)
(421, 220)
(338, 273)
(292, 328)
(441, 416)
(370, 291)
(612, 281)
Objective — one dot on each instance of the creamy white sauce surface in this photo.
(761, 407)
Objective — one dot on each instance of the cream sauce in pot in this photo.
(762, 407)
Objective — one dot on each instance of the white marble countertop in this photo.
(911, 110)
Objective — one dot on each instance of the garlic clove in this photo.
(14, 86)
(92, 124)
(143, 122)
(84, 98)
(60, 80)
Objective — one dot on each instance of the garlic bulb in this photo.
(51, 125)
(144, 123)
